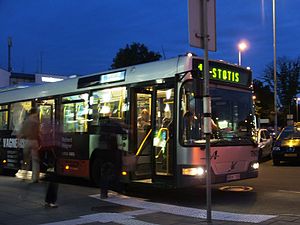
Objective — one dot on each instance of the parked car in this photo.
(287, 145)
(264, 142)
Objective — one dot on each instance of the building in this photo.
(4, 78)
(18, 80)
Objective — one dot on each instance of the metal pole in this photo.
(240, 58)
(297, 109)
(41, 62)
(275, 73)
(9, 42)
(207, 113)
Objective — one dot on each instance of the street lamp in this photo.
(275, 77)
(242, 46)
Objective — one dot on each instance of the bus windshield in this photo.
(232, 118)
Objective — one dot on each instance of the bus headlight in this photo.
(199, 171)
(255, 165)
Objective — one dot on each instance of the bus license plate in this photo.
(236, 176)
(290, 155)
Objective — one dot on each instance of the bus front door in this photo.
(153, 133)
(143, 134)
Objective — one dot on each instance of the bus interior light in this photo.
(159, 81)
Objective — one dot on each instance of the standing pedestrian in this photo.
(107, 175)
(110, 169)
(30, 131)
(51, 195)
(52, 186)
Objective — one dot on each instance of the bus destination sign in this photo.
(225, 73)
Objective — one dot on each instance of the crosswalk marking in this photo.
(182, 211)
(128, 218)
(120, 218)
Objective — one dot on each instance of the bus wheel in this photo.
(8, 172)
(260, 158)
(276, 162)
(96, 171)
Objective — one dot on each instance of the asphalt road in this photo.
(275, 192)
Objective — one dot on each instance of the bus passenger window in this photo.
(18, 112)
(75, 113)
(109, 103)
(3, 117)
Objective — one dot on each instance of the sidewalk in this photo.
(21, 203)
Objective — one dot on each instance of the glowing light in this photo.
(92, 100)
(67, 167)
(193, 171)
(167, 108)
(168, 94)
(223, 124)
(84, 96)
(51, 79)
(106, 96)
(255, 165)
(242, 46)
(105, 109)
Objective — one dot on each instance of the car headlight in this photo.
(276, 148)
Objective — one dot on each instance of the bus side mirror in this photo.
(198, 87)
(198, 83)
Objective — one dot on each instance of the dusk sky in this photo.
(83, 36)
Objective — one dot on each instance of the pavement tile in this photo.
(269, 222)
(284, 223)
(289, 218)
(32, 212)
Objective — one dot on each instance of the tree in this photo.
(288, 79)
(264, 99)
(133, 54)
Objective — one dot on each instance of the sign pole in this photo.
(206, 111)
(202, 34)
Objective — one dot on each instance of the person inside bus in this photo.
(167, 120)
(189, 129)
(143, 120)
(30, 131)
(214, 127)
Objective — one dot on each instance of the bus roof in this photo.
(122, 76)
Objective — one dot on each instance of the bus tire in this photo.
(260, 158)
(9, 172)
(276, 162)
(96, 171)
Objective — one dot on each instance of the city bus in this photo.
(144, 119)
